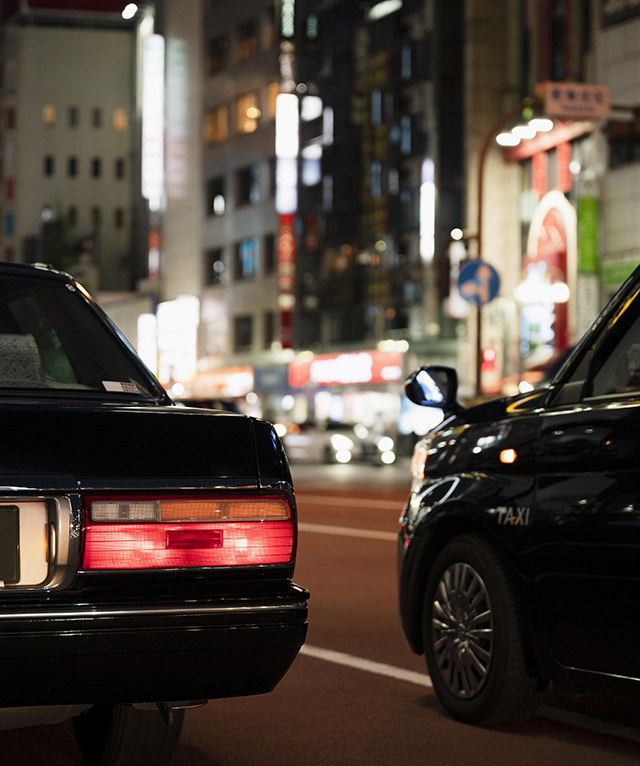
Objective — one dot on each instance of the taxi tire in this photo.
(509, 693)
(120, 735)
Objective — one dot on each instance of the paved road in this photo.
(357, 695)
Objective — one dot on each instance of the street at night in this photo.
(356, 694)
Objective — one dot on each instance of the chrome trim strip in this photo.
(151, 611)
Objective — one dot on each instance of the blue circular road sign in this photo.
(478, 282)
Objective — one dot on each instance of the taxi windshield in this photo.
(52, 340)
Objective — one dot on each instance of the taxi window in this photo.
(615, 364)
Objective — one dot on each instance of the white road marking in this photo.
(567, 717)
(369, 666)
(327, 529)
(352, 502)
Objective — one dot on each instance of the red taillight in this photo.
(250, 532)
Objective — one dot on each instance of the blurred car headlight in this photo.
(341, 442)
(385, 444)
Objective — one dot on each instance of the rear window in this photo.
(50, 339)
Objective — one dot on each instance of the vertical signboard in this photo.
(286, 277)
(153, 120)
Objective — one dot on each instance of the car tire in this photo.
(474, 635)
(120, 735)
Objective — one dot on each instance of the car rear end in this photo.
(146, 550)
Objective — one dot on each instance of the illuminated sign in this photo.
(223, 383)
(357, 367)
(576, 100)
(153, 120)
(288, 18)
(286, 278)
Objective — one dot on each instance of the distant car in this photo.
(519, 546)
(330, 441)
(146, 550)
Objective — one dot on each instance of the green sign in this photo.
(588, 235)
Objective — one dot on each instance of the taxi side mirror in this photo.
(433, 386)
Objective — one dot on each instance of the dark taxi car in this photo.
(146, 550)
(519, 547)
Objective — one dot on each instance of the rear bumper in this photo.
(148, 653)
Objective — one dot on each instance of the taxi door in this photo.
(586, 515)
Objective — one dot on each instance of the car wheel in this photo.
(120, 735)
(474, 637)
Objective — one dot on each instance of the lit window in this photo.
(247, 40)
(216, 273)
(49, 115)
(216, 202)
(274, 91)
(247, 112)
(246, 258)
(120, 119)
(216, 125)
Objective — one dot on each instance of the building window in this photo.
(216, 201)
(247, 112)
(246, 264)
(248, 185)
(274, 92)
(119, 168)
(96, 117)
(72, 167)
(216, 125)
(96, 167)
(9, 188)
(49, 168)
(118, 218)
(269, 254)
(120, 119)
(247, 40)
(216, 270)
(49, 115)
(72, 215)
(269, 328)
(73, 117)
(217, 53)
(11, 118)
(96, 216)
(243, 335)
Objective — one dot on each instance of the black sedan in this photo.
(519, 547)
(146, 550)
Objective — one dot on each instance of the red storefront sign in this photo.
(357, 367)
(286, 277)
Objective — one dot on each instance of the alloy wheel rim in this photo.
(462, 630)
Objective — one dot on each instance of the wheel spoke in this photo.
(462, 630)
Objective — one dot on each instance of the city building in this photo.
(68, 140)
